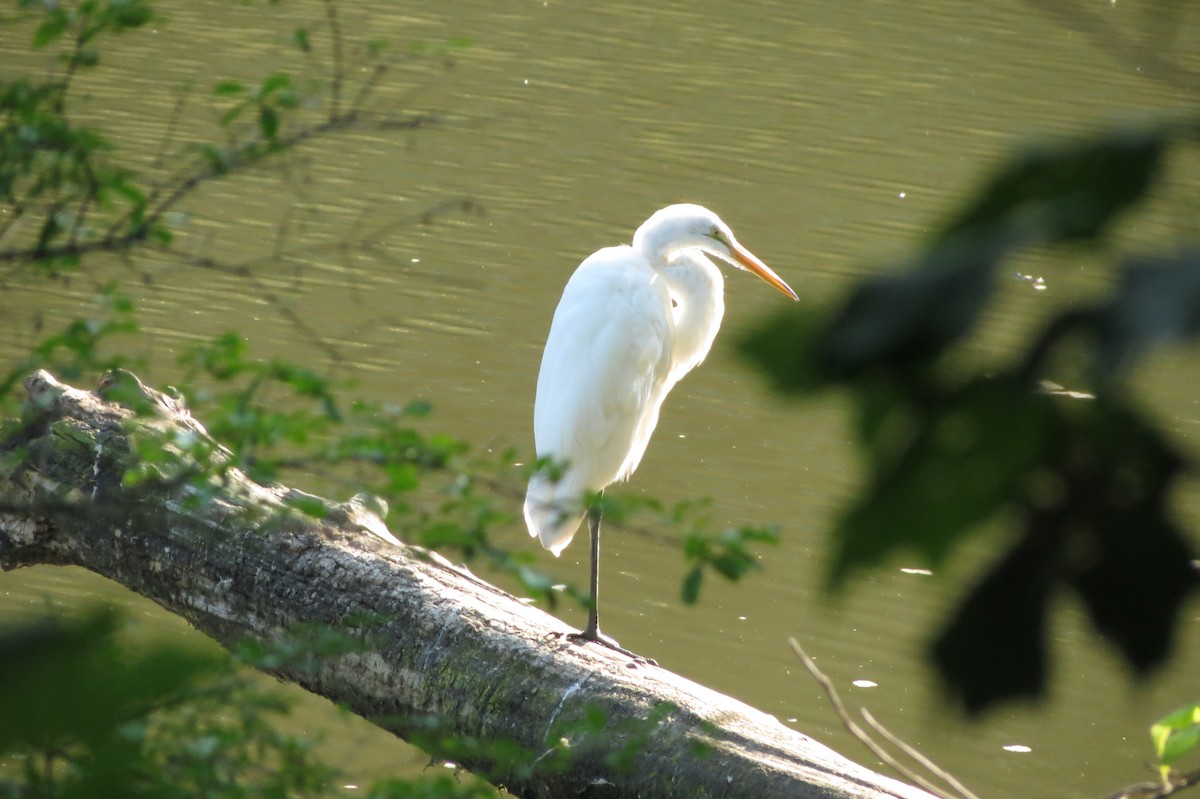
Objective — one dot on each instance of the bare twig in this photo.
(1158, 790)
(335, 83)
(73, 60)
(916, 755)
(368, 86)
(862, 735)
(84, 205)
(172, 124)
(272, 299)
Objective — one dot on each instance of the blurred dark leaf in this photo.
(1157, 300)
(65, 682)
(1127, 557)
(910, 316)
(945, 455)
(963, 460)
(785, 349)
(994, 647)
(1064, 192)
(690, 589)
(1096, 520)
(1067, 192)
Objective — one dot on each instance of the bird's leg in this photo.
(592, 631)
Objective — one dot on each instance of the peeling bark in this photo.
(448, 652)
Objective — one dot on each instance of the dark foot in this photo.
(597, 637)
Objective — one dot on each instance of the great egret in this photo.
(632, 321)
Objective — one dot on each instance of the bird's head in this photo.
(687, 226)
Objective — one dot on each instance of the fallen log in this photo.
(446, 651)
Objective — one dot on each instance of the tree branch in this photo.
(446, 657)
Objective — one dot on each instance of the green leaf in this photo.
(127, 14)
(218, 159)
(1096, 517)
(726, 553)
(1175, 735)
(274, 83)
(160, 235)
(229, 88)
(300, 39)
(87, 57)
(52, 28)
(231, 114)
(690, 592)
(268, 122)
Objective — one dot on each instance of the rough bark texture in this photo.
(446, 646)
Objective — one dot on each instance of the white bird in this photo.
(632, 321)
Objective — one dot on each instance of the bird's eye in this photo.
(715, 233)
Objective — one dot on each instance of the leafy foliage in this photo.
(727, 553)
(84, 347)
(1086, 477)
(57, 171)
(85, 717)
(273, 418)
(84, 714)
(269, 102)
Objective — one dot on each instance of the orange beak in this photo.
(751, 264)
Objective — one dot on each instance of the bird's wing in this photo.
(601, 383)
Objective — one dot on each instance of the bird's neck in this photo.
(660, 243)
(697, 290)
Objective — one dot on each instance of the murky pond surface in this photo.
(829, 135)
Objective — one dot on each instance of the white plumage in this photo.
(632, 321)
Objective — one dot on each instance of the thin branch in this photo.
(368, 86)
(72, 65)
(335, 83)
(84, 205)
(1158, 790)
(857, 731)
(916, 755)
(272, 299)
(172, 124)
(16, 212)
(168, 195)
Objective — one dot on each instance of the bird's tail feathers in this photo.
(552, 512)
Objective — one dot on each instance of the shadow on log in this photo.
(443, 653)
